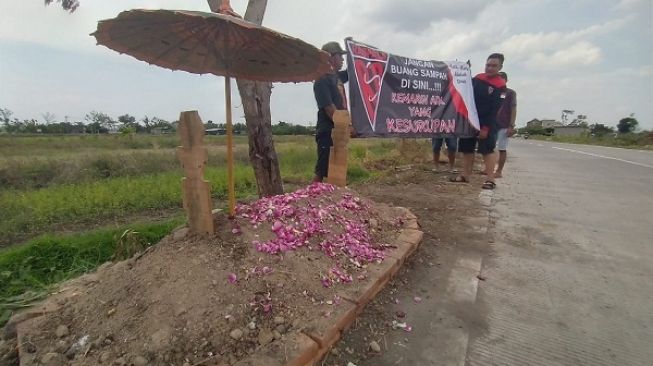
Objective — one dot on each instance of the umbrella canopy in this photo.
(201, 43)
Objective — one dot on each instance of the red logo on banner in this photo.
(369, 65)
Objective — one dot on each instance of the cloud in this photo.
(427, 29)
(560, 49)
(580, 53)
(592, 94)
(420, 14)
(634, 5)
(32, 22)
(523, 45)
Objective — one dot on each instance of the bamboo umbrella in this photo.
(210, 43)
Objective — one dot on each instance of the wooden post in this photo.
(193, 157)
(338, 158)
(255, 96)
(230, 149)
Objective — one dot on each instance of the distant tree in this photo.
(128, 123)
(147, 123)
(627, 125)
(30, 126)
(161, 124)
(539, 131)
(284, 128)
(580, 120)
(599, 129)
(49, 118)
(209, 124)
(68, 5)
(5, 116)
(126, 119)
(79, 127)
(59, 128)
(13, 126)
(239, 128)
(98, 122)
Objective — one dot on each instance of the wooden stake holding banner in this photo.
(339, 154)
(193, 157)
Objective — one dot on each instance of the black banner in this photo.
(394, 96)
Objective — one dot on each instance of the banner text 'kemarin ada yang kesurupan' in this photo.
(394, 96)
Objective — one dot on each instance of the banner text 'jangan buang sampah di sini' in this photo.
(394, 96)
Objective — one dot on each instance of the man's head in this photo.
(335, 54)
(504, 76)
(494, 64)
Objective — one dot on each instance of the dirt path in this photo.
(427, 295)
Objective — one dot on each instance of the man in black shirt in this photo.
(330, 96)
(488, 87)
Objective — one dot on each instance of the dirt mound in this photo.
(258, 282)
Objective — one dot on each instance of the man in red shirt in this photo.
(505, 123)
(488, 87)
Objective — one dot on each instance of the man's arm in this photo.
(513, 117)
(343, 75)
(323, 97)
(330, 110)
(513, 114)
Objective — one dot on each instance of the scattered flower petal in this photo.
(307, 217)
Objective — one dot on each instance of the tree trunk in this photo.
(255, 97)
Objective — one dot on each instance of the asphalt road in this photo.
(569, 276)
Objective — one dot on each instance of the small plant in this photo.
(9, 306)
(129, 243)
(357, 173)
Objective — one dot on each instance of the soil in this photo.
(215, 300)
(440, 207)
(175, 303)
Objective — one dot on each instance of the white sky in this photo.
(591, 56)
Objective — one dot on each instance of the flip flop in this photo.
(489, 185)
(458, 179)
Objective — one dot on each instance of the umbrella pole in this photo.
(230, 149)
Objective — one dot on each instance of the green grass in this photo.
(42, 162)
(123, 191)
(642, 140)
(40, 210)
(39, 172)
(27, 271)
(35, 145)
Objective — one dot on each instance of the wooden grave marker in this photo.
(338, 156)
(193, 157)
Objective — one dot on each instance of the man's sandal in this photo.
(458, 179)
(489, 185)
